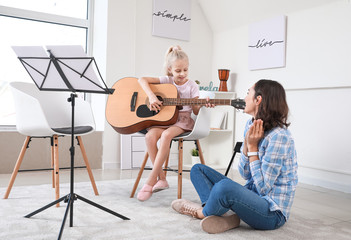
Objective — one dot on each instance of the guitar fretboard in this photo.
(191, 101)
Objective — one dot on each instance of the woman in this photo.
(268, 163)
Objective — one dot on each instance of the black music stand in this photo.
(236, 150)
(74, 73)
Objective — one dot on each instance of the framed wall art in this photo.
(267, 43)
(171, 19)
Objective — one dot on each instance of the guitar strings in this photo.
(191, 101)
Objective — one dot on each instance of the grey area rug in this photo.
(154, 219)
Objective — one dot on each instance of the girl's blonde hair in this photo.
(173, 53)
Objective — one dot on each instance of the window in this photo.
(35, 23)
(69, 8)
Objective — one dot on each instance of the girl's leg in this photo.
(163, 152)
(151, 138)
(250, 207)
(204, 178)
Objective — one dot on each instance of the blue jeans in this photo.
(220, 194)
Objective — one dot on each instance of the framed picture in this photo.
(267, 43)
(171, 19)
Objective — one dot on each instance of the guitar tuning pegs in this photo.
(239, 103)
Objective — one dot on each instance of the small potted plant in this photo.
(195, 156)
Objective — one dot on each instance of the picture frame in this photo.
(171, 19)
(267, 43)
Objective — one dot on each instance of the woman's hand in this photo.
(155, 103)
(254, 135)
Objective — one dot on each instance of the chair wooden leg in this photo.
(137, 180)
(180, 167)
(56, 169)
(166, 164)
(17, 166)
(202, 160)
(52, 162)
(87, 164)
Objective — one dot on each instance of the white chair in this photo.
(42, 114)
(201, 130)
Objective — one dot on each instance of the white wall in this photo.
(150, 50)
(317, 78)
(128, 49)
(317, 75)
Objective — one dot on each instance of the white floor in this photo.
(330, 207)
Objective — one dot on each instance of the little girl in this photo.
(176, 69)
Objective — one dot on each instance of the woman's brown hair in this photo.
(273, 110)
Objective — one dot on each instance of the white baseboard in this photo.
(110, 165)
(338, 181)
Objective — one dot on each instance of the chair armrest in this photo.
(30, 118)
(84, 113)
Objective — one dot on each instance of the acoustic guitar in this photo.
(127, 108)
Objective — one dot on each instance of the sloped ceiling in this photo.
(227, 14)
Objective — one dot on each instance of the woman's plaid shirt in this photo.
(274, 176)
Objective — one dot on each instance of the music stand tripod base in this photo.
(71, 197)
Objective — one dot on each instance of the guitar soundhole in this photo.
(143, 111)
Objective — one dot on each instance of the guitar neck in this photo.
(192, 101)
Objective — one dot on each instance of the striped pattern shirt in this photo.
(274, 176)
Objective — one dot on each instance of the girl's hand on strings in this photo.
(155, 104)
(208, 103)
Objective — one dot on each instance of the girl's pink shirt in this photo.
(190, 89)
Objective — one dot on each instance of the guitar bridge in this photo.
(133, 101)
